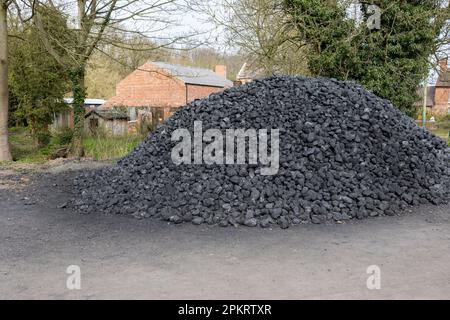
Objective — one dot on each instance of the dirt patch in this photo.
(17, 176)
(52, 166)
(9, 179)
(122, 257)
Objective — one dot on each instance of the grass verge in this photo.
(443, 134)
(25, 150)
(109, 148)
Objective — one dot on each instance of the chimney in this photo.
(221, 70)
(443, 65)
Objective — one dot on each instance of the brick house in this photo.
(438, 96)
(159, 88)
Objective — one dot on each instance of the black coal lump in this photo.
(344, 154)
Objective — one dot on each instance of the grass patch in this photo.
(443, 134)
(24, 148)
(109, 148)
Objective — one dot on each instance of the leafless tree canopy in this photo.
(95, 23)
(258, 29)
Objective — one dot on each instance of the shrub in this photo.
(145, 128)
(443, 118)
(43, 138)
(63, 136)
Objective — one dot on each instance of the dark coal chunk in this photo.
(344, 154)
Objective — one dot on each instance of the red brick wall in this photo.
(441, 95)
(149, 87)
(441, 99)
(198, 92)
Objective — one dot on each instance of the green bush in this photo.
(419, 114)
(443, 118)
(145, 128)
(43, 138)
(63, 136)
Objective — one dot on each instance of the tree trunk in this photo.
(5, 154)
(79, 94)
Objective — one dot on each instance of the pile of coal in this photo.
(344, 153)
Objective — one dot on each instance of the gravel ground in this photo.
(121, 257)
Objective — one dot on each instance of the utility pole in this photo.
(424, 110)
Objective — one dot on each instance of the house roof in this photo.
(108, 114)
(191, 75)
(86, 101)
(431, 90)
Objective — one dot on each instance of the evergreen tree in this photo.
(391, 61)
(36, 81)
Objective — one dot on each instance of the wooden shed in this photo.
(111, 121)
(65, 118)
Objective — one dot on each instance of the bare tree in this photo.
(5, 154)
(5, 5)
(258, 30)
(96, 23)
(110, 64)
